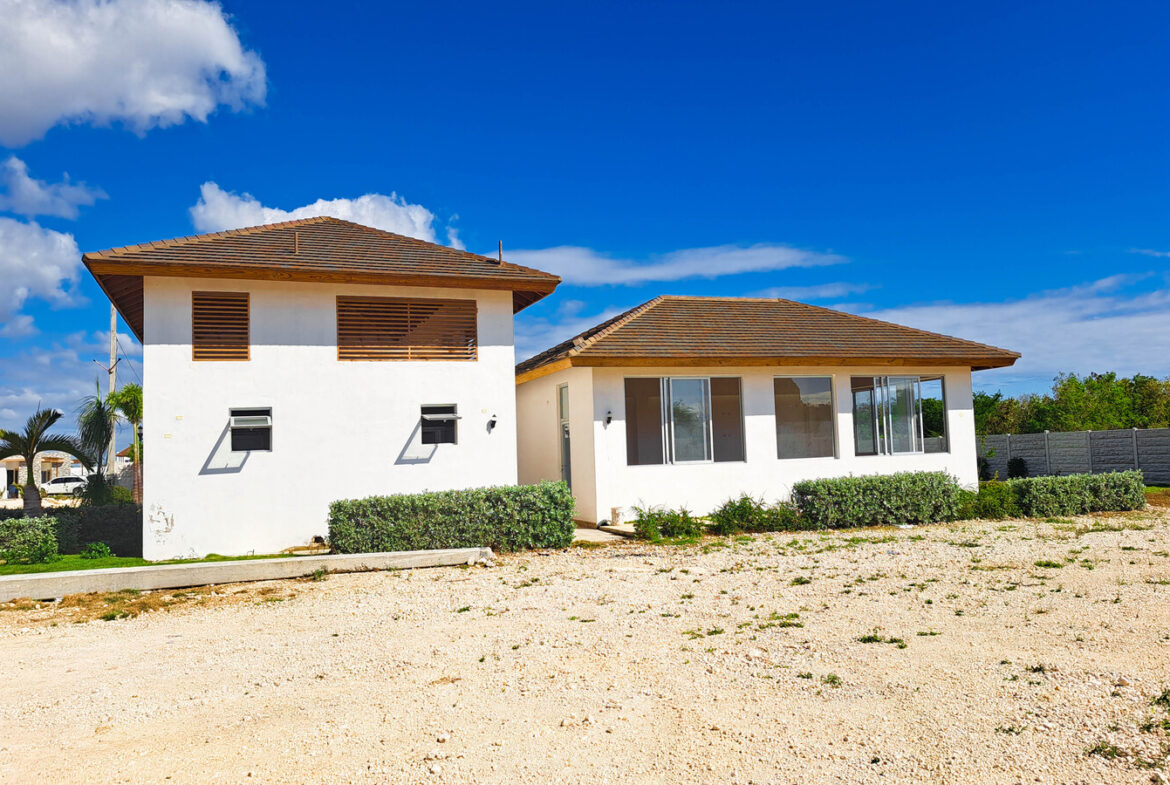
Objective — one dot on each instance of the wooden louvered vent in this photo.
(399, 328)
(219, 325)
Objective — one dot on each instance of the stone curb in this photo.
(49, 585)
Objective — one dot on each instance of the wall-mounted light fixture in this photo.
(491, 423)
(608, 417)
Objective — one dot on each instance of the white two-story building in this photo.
(291, 365)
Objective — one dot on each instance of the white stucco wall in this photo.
(340, 429)
(539, 436)
(702, 487)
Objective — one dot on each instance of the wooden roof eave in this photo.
(524, 292)
(596, 361)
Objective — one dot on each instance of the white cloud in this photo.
(144, 63)
(587, 267)
(1151, 252)
(218, 209)
(26, 196)
(824, 291)
(35, 262)
(59, 375)
(19, 326)
(1117, 323)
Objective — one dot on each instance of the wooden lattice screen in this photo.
(398, 328)
(219, 325)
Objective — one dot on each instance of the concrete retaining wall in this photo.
(48, 585)
(1082, 452)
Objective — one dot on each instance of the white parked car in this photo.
(62, 485)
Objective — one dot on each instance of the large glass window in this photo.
(898, 414)
(683, 420)
(934, 414)
(804, 416)
(690, 419)
(727, 419)
(643, 421)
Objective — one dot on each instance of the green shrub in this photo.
(96, 550)
(879, 500)
(995, 501)
(1077, 494)
(654, 523)
(506, 518)
(30, 540)
(117, 525)
(746, 514)
(1017, 467)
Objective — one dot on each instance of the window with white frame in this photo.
(895, 415)
(804, 416)
(682, 419)
(251, 429)
(438, 424)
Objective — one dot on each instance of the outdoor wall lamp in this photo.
(491, 423)
(608, 417)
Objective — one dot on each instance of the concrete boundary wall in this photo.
(49, 585)
(1082, 452)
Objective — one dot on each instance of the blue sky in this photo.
(998, 172)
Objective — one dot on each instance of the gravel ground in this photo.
(736, 660)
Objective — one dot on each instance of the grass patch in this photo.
(77, 562)
(1048, 564)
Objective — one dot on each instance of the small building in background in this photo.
(689, 401)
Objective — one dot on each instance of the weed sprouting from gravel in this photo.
(877, 637)
(831, 679)
(1105, 749)
(800, 580)
(1048, 564)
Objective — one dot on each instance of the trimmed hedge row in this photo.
(119, 526)
(506, 518)
(904, 498)
(31, 540)
(879, 500)
(1076, 494)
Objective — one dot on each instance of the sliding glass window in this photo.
(683, 420)
(894, 415)
(804, 416)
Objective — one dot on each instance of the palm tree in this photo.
(34, 440)
(96, 421)
(128, 403)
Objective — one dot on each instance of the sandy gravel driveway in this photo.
(977, 652)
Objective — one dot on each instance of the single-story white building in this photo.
(688, 401)
(291, 365)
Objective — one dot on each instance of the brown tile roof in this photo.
(322, 249)
(694, 331)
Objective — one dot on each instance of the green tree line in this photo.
(1095, 402)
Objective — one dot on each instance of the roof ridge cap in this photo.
(197, 238)
(580, 345)
(899, 326)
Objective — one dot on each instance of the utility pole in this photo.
(110, 459)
